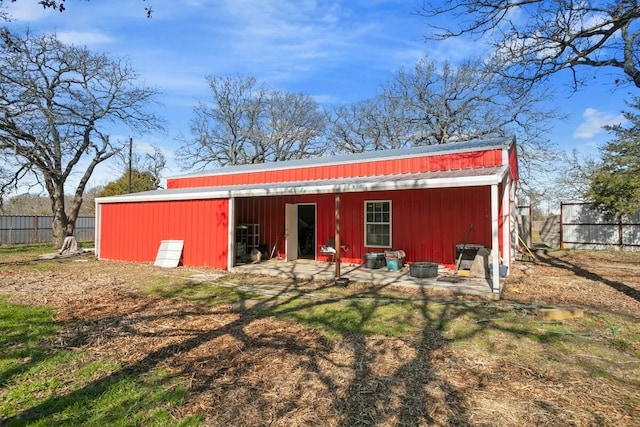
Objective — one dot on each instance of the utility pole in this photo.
(130, 154)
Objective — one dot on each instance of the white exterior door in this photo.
(291, 232)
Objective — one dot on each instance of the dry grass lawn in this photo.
(463, 362)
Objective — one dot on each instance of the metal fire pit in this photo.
(423, 270)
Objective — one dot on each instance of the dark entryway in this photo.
(307, 231)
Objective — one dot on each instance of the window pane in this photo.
(378, 224)
(385, 240)
(378, 235)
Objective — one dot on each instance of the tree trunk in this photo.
(61, 226)
(64, 224)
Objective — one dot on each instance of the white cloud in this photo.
(594, 121)
(25, 10)
(270, 32)
(84, 38)
(458, 49)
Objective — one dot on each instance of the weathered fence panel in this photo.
(523, 220)
(549, 230)
(585, 228)
(18, 229)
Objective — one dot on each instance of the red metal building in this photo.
(422, 200)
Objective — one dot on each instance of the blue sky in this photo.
(337, 51)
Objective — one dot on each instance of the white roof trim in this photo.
(440, 179)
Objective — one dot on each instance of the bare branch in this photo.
(248, 123)
(538, 38)
(431, 104)
(57, 103)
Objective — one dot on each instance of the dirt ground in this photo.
(241, 369)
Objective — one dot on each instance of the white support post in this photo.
(231, 234)
(495, 241)
(96, 229)
(507, 224)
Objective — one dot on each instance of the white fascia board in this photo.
(162, 195)
(296, 188)
(472, 181)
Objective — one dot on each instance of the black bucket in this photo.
(374, 260)
(423, 270)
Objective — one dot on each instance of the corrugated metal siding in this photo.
(585, 228)
(427, 224)
(133, 231)
(513, 162)
(19, 229)
(372, 168)
(269, 212)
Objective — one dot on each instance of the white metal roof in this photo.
(437, 179)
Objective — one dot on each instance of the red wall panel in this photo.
(269, 212)
(513, 161)
(133, 231)
(427, 224)
(343, 170)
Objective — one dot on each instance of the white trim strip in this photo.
(348, 185)
(231, 238)
(495, 241)
(97, 229)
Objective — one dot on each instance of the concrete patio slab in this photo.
(303, 269)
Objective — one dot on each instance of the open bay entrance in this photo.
(307, 231)
(300, 231)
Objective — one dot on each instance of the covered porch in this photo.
(432, 213)
(304, 269)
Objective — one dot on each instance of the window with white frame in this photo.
(377, 223)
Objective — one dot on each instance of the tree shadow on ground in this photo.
(583, 272)
(246, 367)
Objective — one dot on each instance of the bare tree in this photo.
(453, 103)
(537, 38)
(152, 163)
(431, 104)
(575, 173)
(290, 127)
(249, 123)
(27, 204)
(221, 127)
(56, 105)
(155, 163)
(89, 206)
(370, 125)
